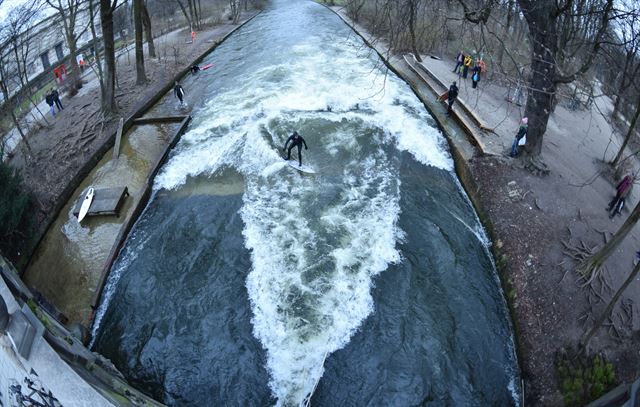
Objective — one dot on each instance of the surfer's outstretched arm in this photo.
(305, 143)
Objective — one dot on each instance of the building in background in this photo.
(44, 48)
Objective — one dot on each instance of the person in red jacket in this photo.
(622, 191)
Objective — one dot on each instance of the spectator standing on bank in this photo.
(475, 77)
(521, 136)
(467, 64)
(49, 99)
(56, 99)
(622, 192)
(459, 61)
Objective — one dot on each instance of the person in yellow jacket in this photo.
(467, 64)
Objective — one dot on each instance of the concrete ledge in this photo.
(468, 127)
(465, 107)
(139, 207)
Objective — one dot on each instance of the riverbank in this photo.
(529, 218)
(65, 152)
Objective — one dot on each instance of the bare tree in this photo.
(187, 16)
(69, 11)
(107, 8)
(584, 342)
(627, 138)
(96, 51)
(234, 6)
(592, 263)
(146, 21)
(141, 78)
(629, 31)
(565, 38)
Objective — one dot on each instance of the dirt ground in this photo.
(539, 221)
(60, 149)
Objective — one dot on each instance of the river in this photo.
(247, 283)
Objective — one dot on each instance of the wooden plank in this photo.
(116, 148)
(162, 119)
(106, 201)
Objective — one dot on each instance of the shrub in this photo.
(15, 225)
(583, 378)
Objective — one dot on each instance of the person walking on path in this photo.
(467, 64)
(49, 99)
(296, 140)
(622, 192)
(56, 99)
(178, 92)
(459, 61)
(521, 136)
(451, 96)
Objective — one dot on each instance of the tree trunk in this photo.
(141, 78)
(587, 337)
(76, 80)
(627, 138)
(98, 62)
(412, 28)
(193, 19)
(506, 32)
(106, 20)
(68, 23)
(146, 21)
(16, 123)
(595, 260)
(186, 15)
(542, 87)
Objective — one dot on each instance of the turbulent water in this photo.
(246, 282)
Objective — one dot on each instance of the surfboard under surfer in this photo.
(179, 92)
(296, 140)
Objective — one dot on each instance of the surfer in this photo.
(195, 69)
(296, 140)
(179, 92)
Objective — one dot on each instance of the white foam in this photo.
(300, 319)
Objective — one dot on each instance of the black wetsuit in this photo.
(453, 94)
(179, 92)
(296, 140)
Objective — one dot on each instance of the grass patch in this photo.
(583, 379)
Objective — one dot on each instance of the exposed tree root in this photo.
(536, 166)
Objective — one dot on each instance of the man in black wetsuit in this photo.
(296, 140)
(179, 92)
(453, 94)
